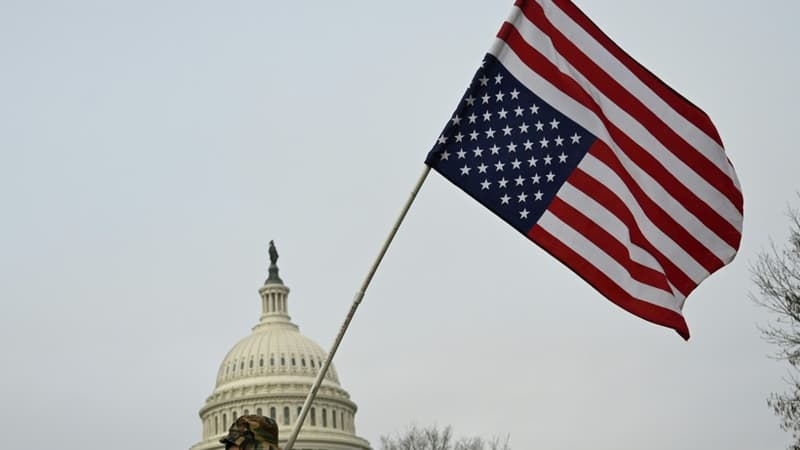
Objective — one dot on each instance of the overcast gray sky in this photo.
(149, 150)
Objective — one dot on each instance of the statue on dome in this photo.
(273, 266)
(273, 253)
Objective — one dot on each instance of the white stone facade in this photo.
(270, 372)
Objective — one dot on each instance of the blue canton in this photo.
(507, 148)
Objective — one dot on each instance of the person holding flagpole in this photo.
(252, 432)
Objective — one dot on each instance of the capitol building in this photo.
(270, 372)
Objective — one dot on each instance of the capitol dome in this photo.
(270, 373)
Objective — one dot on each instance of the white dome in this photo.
(270, 372)
(275, 350)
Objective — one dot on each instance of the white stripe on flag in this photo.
(586, 118)
(600, 56)
(611, 268)
(610, 223)
(657, 238)
(642, 136)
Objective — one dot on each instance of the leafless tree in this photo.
(776, 274)
(434, 438)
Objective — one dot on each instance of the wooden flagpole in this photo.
(356, 301)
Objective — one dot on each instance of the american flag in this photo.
(580, 148)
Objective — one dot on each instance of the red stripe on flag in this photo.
(657, 215)
(616, 206)
(678, 102)
(541, 65)
(609, 244)
(677, 190)
(660, 130)
(606, 286)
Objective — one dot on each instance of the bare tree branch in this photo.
(434, 438)
(776, 275)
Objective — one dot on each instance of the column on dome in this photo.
(273, 301)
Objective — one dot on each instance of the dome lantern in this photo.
(274, 294)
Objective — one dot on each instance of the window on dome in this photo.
(294, 363)
(313, 417)
(246, 412)
(233, 367)
(324, 417)
(299, 409)
(216, 425)
(312, 362)
(303, 361)
(261, 362)
(224, 421)
(251, 363)
(233, 417)
(283, 361)
(258, 411)
(286, 415)
(272, 413)
(241, 366)
(333, 418)
(341, 418)
(272, 360)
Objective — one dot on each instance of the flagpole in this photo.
(356, 301)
